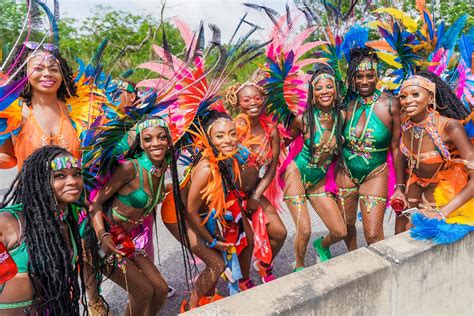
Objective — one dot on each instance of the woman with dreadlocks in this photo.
(319, 127)
(372, 127)
(130, 195)
(211, 197)
(440, 159)
(38, 227)
(258, 173)
(40, 116)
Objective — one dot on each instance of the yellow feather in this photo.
(406, 20)
(389, 59)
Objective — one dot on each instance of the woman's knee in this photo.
(339, 231)
(373, 235)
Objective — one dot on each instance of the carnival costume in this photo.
(450, 177)
(406, 47)
(19, 252)
(17, 121)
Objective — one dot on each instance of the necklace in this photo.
(149, 166)
(324, 116)
(372, 98)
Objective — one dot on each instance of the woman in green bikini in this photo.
(132, 193)
(40, 232)
(372, 127)
(305, 177)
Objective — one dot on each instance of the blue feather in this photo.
(451, 36)
(357, 36)
(429, 24)
(10, 92)
(52, 21)
(466, 48)
(437, 230)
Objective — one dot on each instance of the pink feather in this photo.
(186, 34)
(462, 81)
(295, 149)
(392, 178)
(331, 185)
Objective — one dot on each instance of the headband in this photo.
(153, 122)
(221, 120)
(323, 76)
(419, 81)
(125, 86)
(65, 162)
(370, 65)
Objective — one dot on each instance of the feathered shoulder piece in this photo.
(105, 145)
(285, 78)
(214, 193)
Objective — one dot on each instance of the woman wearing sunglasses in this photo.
(40, 116)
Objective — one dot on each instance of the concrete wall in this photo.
(397, 276)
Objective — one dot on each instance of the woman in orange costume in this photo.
(440, 159)
(40, 116)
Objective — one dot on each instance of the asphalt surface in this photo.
(169, 260)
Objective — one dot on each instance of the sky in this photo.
(224, 13)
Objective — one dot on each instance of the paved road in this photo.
(171, 263)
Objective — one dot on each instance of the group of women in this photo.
(58, 236)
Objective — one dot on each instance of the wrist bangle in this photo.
(253, 197)
(212, 244)
(399, 185)
(440, 214)
(102, 237)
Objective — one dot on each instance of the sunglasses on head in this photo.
(46, 46)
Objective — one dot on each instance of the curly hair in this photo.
(447, 102)
(232, 94)
(54, 278)
(309, 112)
(67, 88)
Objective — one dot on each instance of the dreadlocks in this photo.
(356, 57)
(54, 278)
(309, 112)
(67, 88)
(447, 104)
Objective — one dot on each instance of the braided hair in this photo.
(67, 88)
(136, 149)
(308, 114)
(54, 278)
(447, 102)
(357, 55)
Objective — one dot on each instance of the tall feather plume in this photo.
(56, 10)
(272, 14)
(52, 21)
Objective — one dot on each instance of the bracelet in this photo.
(399, 185)
(440, 214)
(102, 237)
(253, 197)
(212, 244)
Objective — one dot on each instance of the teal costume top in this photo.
(368, 151)
(139, 198)
(19, 253)
(310, 170)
